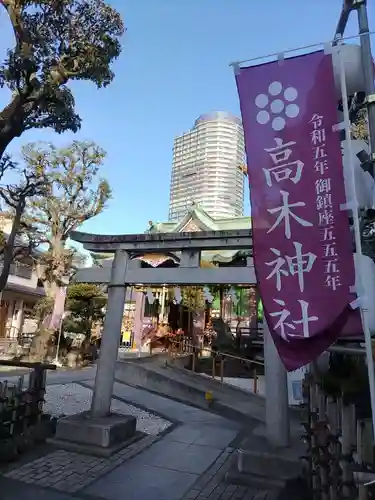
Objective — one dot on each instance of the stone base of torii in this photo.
(103, 432)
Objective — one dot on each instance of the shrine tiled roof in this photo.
(196, 219)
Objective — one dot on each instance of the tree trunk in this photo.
(51, 284)
(3, 146)
(9, 246)
(39, 346)
(11, 124)
(4, 143)
(90, 319)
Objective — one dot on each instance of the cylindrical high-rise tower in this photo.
(206, 169)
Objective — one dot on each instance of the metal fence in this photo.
(340, 455)
(218, 360)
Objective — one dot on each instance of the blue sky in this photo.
(173, 68)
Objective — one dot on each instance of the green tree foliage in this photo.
(76, 193)
(218, 292)
(97, 258)
(42, 308)
(193, 298)
(360, 126)
(85, 304)
(360, 131)
(55, 41)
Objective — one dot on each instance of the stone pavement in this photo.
(71, 472)
(211, 485)
(69, 399)
(185, 461)
(61, 376)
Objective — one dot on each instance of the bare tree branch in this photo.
(15, 197)
(75, 194)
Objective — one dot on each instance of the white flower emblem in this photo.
(277, 102)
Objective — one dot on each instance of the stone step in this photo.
(229, 401)
(187, 387)
(251, 468)
(221, 390)
(247, 479)
(267, 464)
(4, 342)
(214, 385)
(157, 374)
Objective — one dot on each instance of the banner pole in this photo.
(347, 7)
(277, 403)
(368, 73)
(318, 45)
(357, 239)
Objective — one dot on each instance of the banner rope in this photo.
(281, 54)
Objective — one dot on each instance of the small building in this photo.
(196, 219)
(162, 306)
(22, 291)
(139, 312)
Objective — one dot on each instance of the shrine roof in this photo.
(196, 219)
(197, 228)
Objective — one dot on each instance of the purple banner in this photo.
(302, 242)
(58, 309)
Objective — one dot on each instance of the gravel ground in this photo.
(68, 399)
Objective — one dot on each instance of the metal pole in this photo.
(369, 88)
(368, 72)
(344, 16)
(358, 243)
(368, 75)
(341, 349)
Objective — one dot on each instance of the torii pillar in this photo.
(105, 373)
(98, 428)
(99, 431)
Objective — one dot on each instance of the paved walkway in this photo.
(209, 486)
(61, 376)
(186, 462)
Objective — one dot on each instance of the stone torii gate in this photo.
(127, 271)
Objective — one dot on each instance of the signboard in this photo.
(303, 250)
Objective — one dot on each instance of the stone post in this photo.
(9, 319)
(105, 374)
(162, 304)
(138, 320)
(19, 320)
(277, 407)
